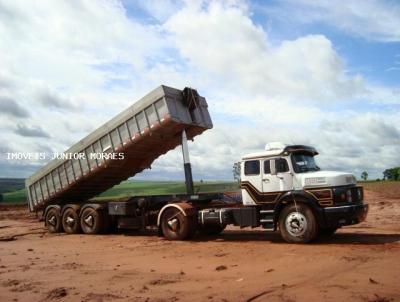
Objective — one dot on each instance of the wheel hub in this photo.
(173, 224)
(70, 221)
(89, 220)
(296, 224)
(52, 221)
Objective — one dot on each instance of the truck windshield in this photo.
(304, 163)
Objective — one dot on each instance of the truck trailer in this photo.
(282, 189)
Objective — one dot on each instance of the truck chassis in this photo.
(180, 217)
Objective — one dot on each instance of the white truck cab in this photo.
(281, 168)
(291, 193)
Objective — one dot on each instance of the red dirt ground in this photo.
(360, 263)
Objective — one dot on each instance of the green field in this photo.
(135, 187)
(390, 189)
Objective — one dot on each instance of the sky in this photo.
(301, 72)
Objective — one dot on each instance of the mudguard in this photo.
(303, 197)
(186, 208)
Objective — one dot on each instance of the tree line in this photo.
(392, 174)
(388, 174)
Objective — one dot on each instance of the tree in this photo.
(392, 174)
(1, 197)
(236, 171)
(364, 175)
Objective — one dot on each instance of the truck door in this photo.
(283, 175)
(270, 183)
(251, 182)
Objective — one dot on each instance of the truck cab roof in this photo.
(278, 148)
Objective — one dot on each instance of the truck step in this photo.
(268, 226)
(266, 221)
(267, 211)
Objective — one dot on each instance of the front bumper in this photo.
(345, 215)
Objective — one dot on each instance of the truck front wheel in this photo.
(297, 224)
(175, 225)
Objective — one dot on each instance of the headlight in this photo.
(359, 194)
(315, 181)
(349, 197)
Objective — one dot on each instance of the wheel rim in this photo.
(172, 221)
(69, 220)
(52, 220)
(296, 224)
(173, 224)
(89, 221)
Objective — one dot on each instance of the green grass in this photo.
(18, 196)
(135, 187)
(130, 188)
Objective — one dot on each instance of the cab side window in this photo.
(267, 167)
(252, 167)
(281, 165)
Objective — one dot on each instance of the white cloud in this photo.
(62, 55)
(229, 45)
(372, 19)
(91, 58)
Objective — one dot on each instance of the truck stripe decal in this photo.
(324, 196)
(260, 197)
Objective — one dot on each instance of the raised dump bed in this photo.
(144, 131)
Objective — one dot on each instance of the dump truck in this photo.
(282, 189)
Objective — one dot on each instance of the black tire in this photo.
(327, 232)
(92, 221)
(71, 222)
(298, 225)
(176, 226)
(53, 221)
(211, 230)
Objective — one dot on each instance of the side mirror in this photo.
(272, 166)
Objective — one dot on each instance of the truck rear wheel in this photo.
(175, 225)
(53, 220)
(70, 221)
(92, 221)
(297, 224)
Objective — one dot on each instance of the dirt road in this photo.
(359, 263)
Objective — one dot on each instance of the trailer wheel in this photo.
(212, 230)
(53, 221)
(70, 221)
(297, 225)
(92, 221)
(175, 225)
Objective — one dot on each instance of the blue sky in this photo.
(311, 72)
